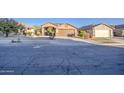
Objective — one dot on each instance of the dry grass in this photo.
(104, 40)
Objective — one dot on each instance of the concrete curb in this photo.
(91, 42)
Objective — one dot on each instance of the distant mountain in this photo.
(7, 20)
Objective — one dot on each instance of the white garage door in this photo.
(101, 33)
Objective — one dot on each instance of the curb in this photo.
(91, 42)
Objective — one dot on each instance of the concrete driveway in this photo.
(60, 57)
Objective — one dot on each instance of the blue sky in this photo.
(74, 21)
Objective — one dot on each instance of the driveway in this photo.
(60, 57)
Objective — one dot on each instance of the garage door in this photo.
(101, 33)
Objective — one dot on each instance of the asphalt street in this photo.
(59, 57)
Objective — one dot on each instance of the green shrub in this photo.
(29, 33)
(82, 33)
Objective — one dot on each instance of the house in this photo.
(119, 30)
(61, 29)
(99, 30)
(29, 30)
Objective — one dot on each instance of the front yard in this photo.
(105, 40)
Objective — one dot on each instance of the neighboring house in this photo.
(30, 32)
(119, 30)
(61, 29)
(99, 30)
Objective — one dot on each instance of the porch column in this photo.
(76, 33)
(56, 32)
(93, 33)
(111, 33)
(43, 31)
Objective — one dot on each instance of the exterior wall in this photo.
(65, 32)
(118, 32)
(61, 32)
(103, 27)
(91, 32)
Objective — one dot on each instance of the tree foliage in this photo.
(8, 25)
(51, 32)
(82, 33)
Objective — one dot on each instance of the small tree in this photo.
(82, 33)
(9, 25)
(51, 32)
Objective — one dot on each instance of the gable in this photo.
(66, 26)
(49, 25)
(102, 27)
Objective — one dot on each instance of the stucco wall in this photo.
(103, 27)
(65, 32)
(118, 32)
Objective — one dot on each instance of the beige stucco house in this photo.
(30, 32)
(61, 29)
(99, 30)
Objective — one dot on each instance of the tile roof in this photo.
(119, 26)
(60, 24)
(93, 25)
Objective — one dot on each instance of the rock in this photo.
(15, 41)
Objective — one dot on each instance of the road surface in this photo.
(59, 57)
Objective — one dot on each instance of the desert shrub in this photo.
(82, 33)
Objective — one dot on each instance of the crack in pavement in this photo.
(67, 68)
(31, 60)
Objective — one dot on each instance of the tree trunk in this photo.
(7, 34)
